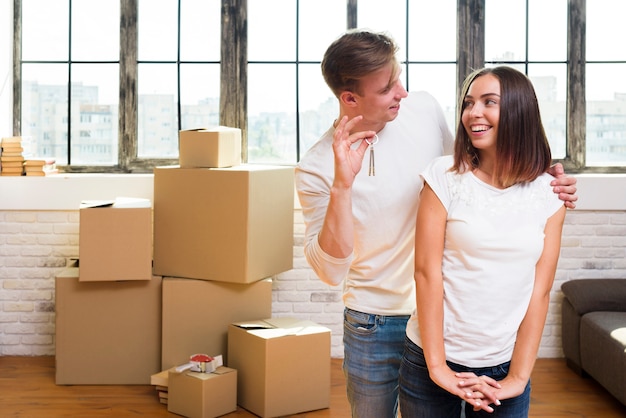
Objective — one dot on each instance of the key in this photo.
(372, 142)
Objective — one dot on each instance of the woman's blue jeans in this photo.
(420, 397)
(373, 346)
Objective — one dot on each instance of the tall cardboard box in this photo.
(115, 243)
(223, 224)
(202, 395)
(107, 333)
(283, 365)
(197, 313)
(215, 147)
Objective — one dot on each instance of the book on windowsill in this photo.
(4, 170)
(41, 165)
(12, 164)
(35, 163)
(7, 141)
(12, 151)
(11, 158)
(41, 172)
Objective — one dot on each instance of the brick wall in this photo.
(35, 246)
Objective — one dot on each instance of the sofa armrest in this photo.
(589, 295)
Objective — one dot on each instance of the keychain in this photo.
(374, 141)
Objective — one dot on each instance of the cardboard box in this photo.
(115, 244)
(202, 395)
(107, 333)
(223, 224)
(283, 365)
(197, 313)
(210, 148)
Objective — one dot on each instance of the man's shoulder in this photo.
(319, 156)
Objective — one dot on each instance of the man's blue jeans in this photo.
(373, 346)
(420, 397)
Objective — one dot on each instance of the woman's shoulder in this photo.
(438, 169)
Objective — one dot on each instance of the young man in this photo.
(360, 223)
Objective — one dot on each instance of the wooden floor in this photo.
(27, 389)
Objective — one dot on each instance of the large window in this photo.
(105, 85)
(605, 84)
(535, 42)
(70, 73)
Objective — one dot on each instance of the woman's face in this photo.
(481, 112)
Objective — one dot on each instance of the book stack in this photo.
(40, 167)
(11, 157)
(159, 381)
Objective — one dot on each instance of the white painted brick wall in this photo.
(35, 246)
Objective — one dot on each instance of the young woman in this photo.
(488, 237)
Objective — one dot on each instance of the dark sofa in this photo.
(594, 331)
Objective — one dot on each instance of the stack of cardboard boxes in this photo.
(220, 230)
(108, 307)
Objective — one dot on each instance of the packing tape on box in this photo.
(202, 363)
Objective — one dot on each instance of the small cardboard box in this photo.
(210, 148)
(223, 224)
(197, 313)
(283, 365)
(115, 243)
(107, 333)
(202, 395)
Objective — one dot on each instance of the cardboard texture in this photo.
(115, 244)
(283, 365)
(202, 395)
(107, 333)
(197, 313)
(210, 148)
(223, 224)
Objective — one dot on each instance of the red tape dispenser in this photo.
(201, 363)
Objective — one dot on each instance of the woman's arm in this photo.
(531, 328)
(429, 242)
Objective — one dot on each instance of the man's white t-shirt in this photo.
(378, 277)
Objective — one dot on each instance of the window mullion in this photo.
(17, 66)
(127, 128)
(576, 104)
(470, 37)
(234, 69)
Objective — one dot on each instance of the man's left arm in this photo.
(563, 185)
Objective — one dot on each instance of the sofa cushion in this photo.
(603, 350)
(588, 295)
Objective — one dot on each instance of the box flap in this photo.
(280, 327)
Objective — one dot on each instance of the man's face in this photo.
(380, 94)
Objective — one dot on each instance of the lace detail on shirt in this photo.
(468, 190)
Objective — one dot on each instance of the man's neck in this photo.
(364, 125)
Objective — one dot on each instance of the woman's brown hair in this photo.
(522, 148)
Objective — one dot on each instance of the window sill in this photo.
(66, 191)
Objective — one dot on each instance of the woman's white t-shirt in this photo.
(494, 238)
